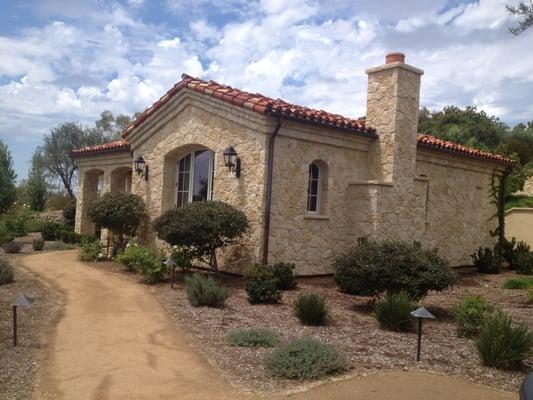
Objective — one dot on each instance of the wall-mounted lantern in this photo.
(420, 314)
(232, 161)
(141, 168)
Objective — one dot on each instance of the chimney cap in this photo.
(394, 57)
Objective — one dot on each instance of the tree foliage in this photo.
(122, 213)
(36, 190)
(524, 10)
(8, 192)
(203, 226)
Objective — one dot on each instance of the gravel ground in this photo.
(19, 365)
(354, 331)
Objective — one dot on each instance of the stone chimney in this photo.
(392, 109)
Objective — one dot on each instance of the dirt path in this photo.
(115, 341)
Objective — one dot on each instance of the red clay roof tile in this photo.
(111, 147)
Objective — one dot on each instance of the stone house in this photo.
(310, 182)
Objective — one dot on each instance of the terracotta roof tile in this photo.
(111, 147)
(258, 103)
(436, 143)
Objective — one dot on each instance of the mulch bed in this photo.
(354, 331)
(19, 365)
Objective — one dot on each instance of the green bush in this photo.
(5, 234)
(13, 225)
(7, 273)
(33, 225)
(51, 230)
(486, 261)
(524, 263)
(205, 291)
(69, 236)
(203, 226)
(90, 249)
(38, 244)
(13, 247)
(183, 257)
(394, 312)
(69, 214)
(153, 270)
(122, 213)
(503, 345)
(134, 256)
(284, 273)
(470, 313)
(262, 285)
(508, 251)
(305, 359)
(518, 283)
(311, 309)
(371, 268)
(253, 338)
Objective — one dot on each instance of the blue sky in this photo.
(70, 60)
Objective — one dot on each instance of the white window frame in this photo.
(191, 175)
(318, 189)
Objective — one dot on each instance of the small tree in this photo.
(122, 213)
(203, 226)
(36, 187)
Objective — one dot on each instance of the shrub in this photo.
(504, 345)
(12, 225)
(518, 283)
(68, 236)
(262, 285)
(90, 249)
(204, 291)
(69, 214)
(394, 312)
(33, 225)
(530, 295)
(524, 263)
(51, 230)
(7, 273)
(203, 226)
(5, 234)
(486, 261)
(253, 338)
(122, 213)
(38, 244)
(183, 257)
(304, 359)
(153, 271)
(311, 309)
(371, 268)
(470, 313)
(13, 247)
(508, 251)
(284, 273)
(134, 256)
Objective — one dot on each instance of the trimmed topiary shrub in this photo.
(7, 273)
(202, 226)
(205, 291)
(486, 261)
(122, 213)
(284, 273)
(90, 249)
(503, 345)
(51, 230)
(38, 244)
(470, 313)
(253, 338)
(311, 309)
(394, 312)
(69, 236)
(305, 359)
(262, 285)
(371, 268)
(13, 247)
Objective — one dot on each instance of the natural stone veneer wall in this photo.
(191, 122)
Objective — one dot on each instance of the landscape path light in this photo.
(20, 301)
(420, 314)
(170, 263)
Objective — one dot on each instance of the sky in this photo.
(70, 60)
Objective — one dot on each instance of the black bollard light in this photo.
(421, 314)
(21, 301)
(170, 263)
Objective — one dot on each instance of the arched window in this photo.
(313, 189)
(194, 181)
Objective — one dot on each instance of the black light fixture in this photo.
(420, 314)
(21, 301)
(141, 168)
(232, 161)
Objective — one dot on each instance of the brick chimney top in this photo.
(394, 57)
